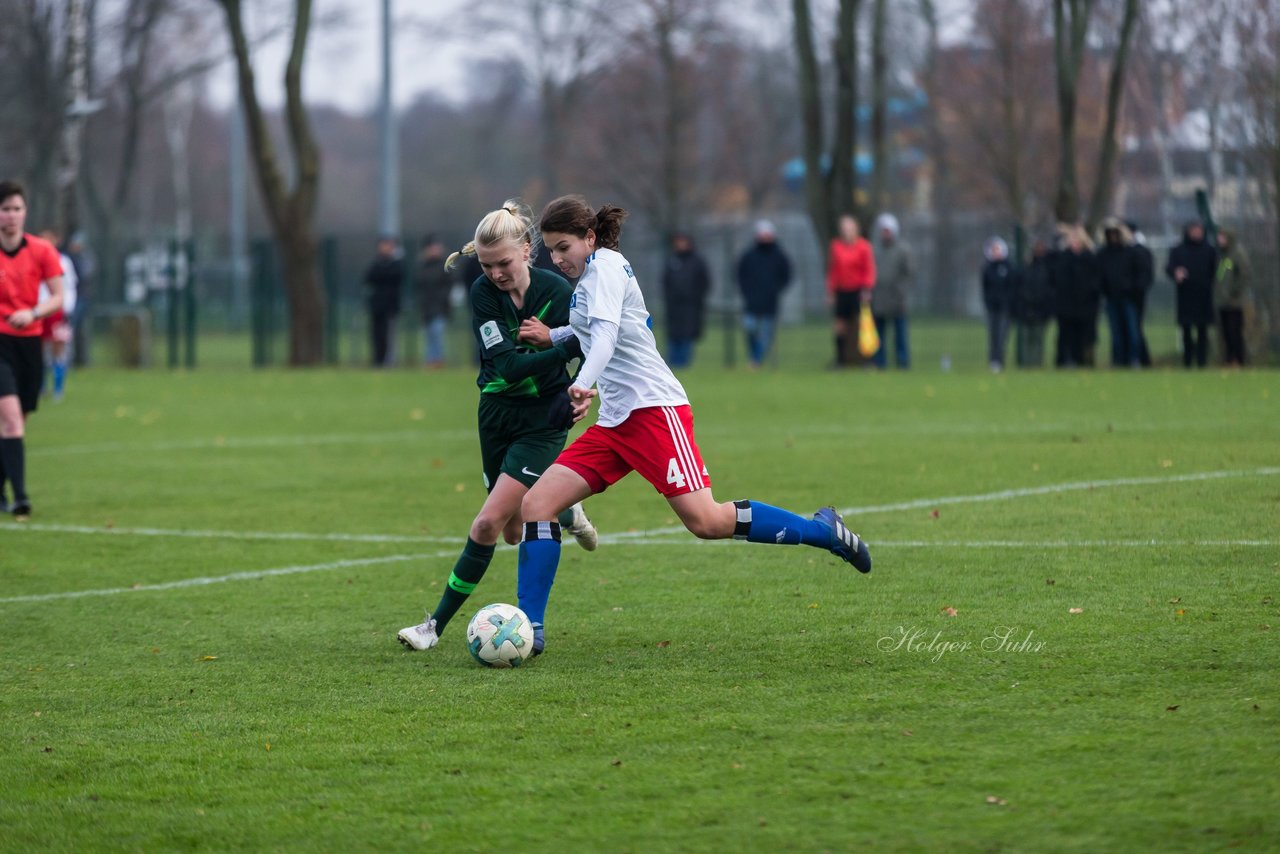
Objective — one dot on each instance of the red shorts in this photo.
(656, 441)
(55, 327)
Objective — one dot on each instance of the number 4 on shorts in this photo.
(674, 475)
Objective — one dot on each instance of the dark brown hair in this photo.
(572, 215)
(11, 188)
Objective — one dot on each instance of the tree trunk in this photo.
(1104, 184)
(290, 208)
(944, 239)
(842, 188)
(1069, 44)
(879, 106)
(818, 203)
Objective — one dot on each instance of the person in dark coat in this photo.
(383, 282)
(1146, 280)
(1192, 266)
(686, 282)
(1077, 287)
(1033, 306)
(1118, 266)
(998, 287)
(764, 272)
(433, 284)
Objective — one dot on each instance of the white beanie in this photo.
(887, 222)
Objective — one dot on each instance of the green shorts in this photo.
(517, 440)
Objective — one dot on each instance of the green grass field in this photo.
(1068, 642)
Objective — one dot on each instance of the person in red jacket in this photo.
(851, 274)
(25, 262)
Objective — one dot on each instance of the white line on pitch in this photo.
(1006, 494)
(628, 536)
(234, 576)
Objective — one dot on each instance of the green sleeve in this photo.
(496, 339)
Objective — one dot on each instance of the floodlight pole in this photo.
(388, 166)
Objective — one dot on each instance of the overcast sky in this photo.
(343, 65)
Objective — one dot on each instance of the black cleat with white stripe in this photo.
(845, 544)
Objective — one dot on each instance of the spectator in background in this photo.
(1033, 306)
(1233, 295)
(86, 265)
(383, 281)
(764, 272)
(1146, 263)
(57, 332)
(892, 294)
(851, 276)
(1078, 297)
(686, 283)
(1192, 266)
(434, 284)
(1118, 267)
(998, 287)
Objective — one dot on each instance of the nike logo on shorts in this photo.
(525, 470)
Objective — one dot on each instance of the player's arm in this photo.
(43, 308)
(499, 347)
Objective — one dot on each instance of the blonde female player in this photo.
(644, 423)
(524, 413)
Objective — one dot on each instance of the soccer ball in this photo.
(500, 636)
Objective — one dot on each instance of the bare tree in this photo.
(879, 103)
(1070, 28)
(1104, 179)
(290, 202)
(829, 180)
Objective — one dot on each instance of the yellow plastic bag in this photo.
(868, 338)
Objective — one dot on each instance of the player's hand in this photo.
(21, 318)
(535, 332)
(581, 407)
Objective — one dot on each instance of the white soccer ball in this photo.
(500, 636)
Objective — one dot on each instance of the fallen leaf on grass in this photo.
(992, 799)
(208, 658)
(907, 732)
(1075, 610)
(1171, 708)
(664, 643)
(1181, 612)
(268, 746)
(934, 514)
(617, 763)
(949, 611)
(1175, 600)
(1050, 582)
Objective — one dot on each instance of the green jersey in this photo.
(510, 369)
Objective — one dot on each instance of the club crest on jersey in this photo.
(490, 334)
(627, 267)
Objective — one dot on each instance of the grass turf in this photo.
(695, 696)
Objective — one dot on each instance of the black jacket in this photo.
(685, 285)
(1195, 293)
(764, 272)
(1120, 270)
(1033, 300)
(1077, 285)
(998, 285)
(384, 279)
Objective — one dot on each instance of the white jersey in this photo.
(69, 282)
(636, 376)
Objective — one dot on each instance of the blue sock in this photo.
(59, 376)
(763, 523)
(536, 570)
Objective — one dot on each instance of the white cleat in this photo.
(421, 636)
(582, 529)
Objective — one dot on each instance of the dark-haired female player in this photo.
(25, 262)
(644, 423)
(523, 425)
